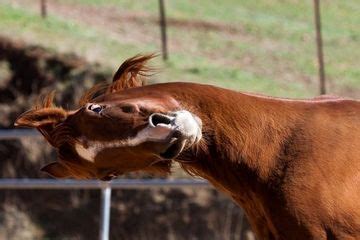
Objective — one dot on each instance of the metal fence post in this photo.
(105, 212)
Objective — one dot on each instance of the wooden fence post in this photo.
(319, 45)
(163, 30)
(43, 8)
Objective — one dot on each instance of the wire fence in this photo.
(164, 45)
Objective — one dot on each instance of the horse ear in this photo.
(41, 117)
(56, 170)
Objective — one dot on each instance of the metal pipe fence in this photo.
(12, 134)
(105, 187)
(46, 184)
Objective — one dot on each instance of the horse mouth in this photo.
(174, 149)
(183, 129)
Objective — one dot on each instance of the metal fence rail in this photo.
(18, 184)
(105, 187)
(11, 134)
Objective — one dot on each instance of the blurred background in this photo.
(267, 47)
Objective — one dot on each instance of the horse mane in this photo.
(131, 73)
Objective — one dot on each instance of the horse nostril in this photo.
(157, 118)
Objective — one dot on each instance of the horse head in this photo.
(118, 128)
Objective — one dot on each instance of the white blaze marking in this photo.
(86, 154)
(149, 133)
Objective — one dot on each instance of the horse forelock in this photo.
(45, 101)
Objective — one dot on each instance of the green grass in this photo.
(273, 51)
(58, 34)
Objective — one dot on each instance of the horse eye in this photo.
(95, 108)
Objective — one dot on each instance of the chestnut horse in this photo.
(292, 165)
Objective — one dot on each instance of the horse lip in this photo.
(175, 146)
(176, 134)
(174, 149)
(183, 130)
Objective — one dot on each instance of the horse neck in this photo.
(244, 137)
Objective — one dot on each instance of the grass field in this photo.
(260, 46)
